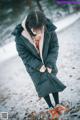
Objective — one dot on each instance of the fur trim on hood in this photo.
(18, 29)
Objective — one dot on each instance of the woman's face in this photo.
(37, 32)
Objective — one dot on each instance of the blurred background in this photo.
(18, 96)
(14, 11)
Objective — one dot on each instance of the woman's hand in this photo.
(49, 70)
(43, 68)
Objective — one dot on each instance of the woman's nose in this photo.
(38, 37)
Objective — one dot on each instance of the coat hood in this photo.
(50, 26)
(19, 28)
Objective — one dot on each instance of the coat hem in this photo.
(52, 92)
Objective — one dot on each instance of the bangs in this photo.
(35, 19)
(33, 23)
(36, 25)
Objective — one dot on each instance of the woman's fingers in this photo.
(42, 69)
(49, 69)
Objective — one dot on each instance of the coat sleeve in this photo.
(27, 57)
(53, 51)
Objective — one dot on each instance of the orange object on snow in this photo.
(57, 111)
(54, 114)
(61, 109)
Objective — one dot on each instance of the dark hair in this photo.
(35, 19)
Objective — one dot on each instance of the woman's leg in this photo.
(48, 101)
(56, 97)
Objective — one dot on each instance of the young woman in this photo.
(37, 46)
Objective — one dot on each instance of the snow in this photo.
(67, 21)
(8, 51)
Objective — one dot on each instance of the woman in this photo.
(37, 46)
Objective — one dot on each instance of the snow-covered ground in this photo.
(17, 93)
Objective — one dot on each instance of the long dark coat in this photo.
(44, 83)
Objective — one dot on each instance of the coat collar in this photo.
(18, 29)
(43, 45)
(50, 27)
(27, 36)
